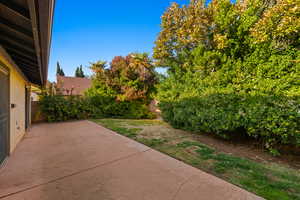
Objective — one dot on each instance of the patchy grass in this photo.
(269, 180)
(115, 126)
(152, 142)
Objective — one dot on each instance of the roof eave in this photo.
(42, 13)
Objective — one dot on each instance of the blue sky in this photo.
(94, 30)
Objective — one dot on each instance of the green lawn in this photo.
(268, 180)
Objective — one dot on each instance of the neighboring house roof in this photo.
(73, 85)
(25, 36)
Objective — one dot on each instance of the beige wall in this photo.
(17, 97)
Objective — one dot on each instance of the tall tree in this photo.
(62, 73)
(79, 72)
(128, 78)
(59, 70)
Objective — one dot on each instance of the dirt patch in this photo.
(156, 129)
(247, 149)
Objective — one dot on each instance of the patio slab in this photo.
(84, 161)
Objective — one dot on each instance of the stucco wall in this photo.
(17, 97)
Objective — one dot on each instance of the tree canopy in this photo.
(128, 78)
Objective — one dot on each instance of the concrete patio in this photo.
(84, 161)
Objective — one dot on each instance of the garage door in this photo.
(4, 113)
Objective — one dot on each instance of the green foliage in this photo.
(273, 120)
(233, 69)
(121, 91)
(152, 142)
(106, 106)
(124, 89)
(114, 125)
(59, 70)
(60, 108)
(79, 72)
(127, 78)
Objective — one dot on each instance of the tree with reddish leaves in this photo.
(127, 78)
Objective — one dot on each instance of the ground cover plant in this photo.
(233, 69)
(266, 179)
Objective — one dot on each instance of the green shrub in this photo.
(62, 108)
(260, 106)
(108, 107)
(271, 120)
(259, 100)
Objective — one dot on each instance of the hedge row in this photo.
(271, 120)
(60, 108)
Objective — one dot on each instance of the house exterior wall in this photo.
(17, 97)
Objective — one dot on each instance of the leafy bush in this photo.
(232, 69)
(62, 108)
(272, 120)
(109, 107)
